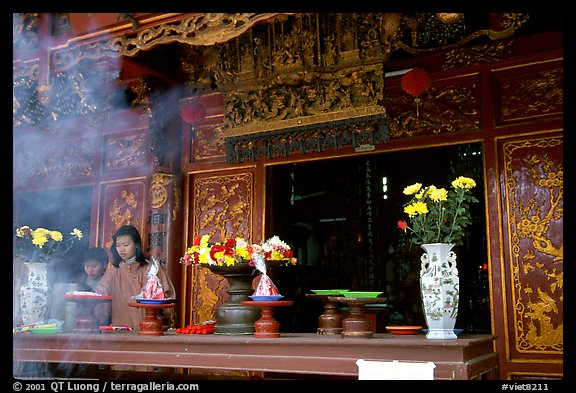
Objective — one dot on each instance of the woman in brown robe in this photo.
(126, 278)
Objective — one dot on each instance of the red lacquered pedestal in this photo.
(330, 322)
(356, 325)
(86, 321)
(151, 325)
(267, 326)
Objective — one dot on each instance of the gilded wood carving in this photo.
(525, 97)
(223, 206)
(123, 205)
(451, 105)
(38, 160)
(208, 141)
(534, 184)
(126, 152)
(209, 291)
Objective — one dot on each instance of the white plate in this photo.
(265, 298)
(153, 301)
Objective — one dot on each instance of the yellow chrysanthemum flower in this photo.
(41, 232)
(463, 182)
(229, 261)
(39, 239)
(416, 208)
(56, 236)
(413, 189)
(438, 194)
(77, 232)
(204, 241)
(420, 207)
(242, 252)
(205, 258)
(277, 255)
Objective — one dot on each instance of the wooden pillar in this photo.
(162, 237)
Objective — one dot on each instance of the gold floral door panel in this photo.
(122, 204)
(221, 206)
(532, 194)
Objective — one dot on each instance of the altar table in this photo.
(299, 354)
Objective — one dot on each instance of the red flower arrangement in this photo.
(233, 251)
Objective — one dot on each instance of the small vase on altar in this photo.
(439, 287)
(233, 317)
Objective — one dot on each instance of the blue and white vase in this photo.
(439, 287)
(34, 294)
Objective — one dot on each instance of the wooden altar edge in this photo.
(468, 357)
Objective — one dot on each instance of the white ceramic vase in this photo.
(439, 287)
(34, 294)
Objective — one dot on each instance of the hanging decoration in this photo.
(416, 82)
(193, 112)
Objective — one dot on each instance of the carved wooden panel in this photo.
(40, 159)
(122, 204)
(223, 206)
(450, 105)
(529, 93)
(125, 151)
(208, 292)
(208, 142)
(532, 192)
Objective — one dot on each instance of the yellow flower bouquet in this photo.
(437, 215)
(44, 245)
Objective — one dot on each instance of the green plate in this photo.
(45, 330)
(329, 291)
(361, 294)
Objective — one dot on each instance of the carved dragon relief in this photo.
(537, 260)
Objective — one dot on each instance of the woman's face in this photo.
(93, 269)
(125, 247)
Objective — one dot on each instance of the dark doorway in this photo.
(340, 216)
(60, 210)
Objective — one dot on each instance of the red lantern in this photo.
(193, 113)
(416, 82)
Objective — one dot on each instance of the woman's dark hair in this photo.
(96, 254)
(131, 231)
